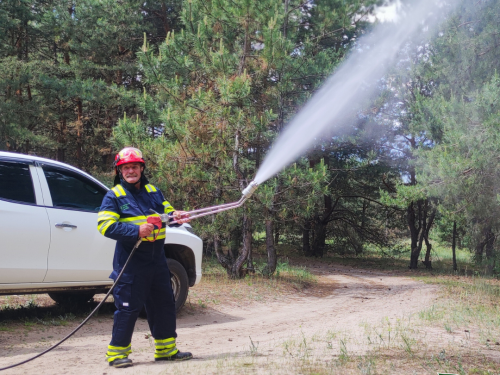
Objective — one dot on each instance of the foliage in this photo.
(204, 87)
(439, 100)
(460, 168)
(217, 94)
(66, 72)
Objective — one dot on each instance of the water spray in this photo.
(353, 82)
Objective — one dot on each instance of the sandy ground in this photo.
(344, 300)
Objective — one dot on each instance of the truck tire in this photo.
(180, 282)
(72, 298)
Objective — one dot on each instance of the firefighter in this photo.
(146, 280)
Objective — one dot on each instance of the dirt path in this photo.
(342, 301)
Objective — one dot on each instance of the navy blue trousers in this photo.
(145, 282)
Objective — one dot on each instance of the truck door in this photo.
(78, 252)
(24, 225)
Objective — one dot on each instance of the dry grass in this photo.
(457, 335)
(469, 305)
(216, 288)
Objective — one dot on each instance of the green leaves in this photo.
(218, 93)
(69, 75)
(451, 114)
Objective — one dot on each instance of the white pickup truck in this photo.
(49, 241)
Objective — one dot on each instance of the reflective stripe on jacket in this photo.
(123, 211)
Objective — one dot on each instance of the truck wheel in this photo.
(180, 283)
(71, 298)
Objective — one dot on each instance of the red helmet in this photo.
(129, 155)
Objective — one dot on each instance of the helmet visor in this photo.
(129, 152)
(128, 155)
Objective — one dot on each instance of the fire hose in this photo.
(165, 218)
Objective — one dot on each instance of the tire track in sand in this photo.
(341, 300)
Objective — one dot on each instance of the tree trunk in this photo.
(79, 133)
(71, 10)
(164, 19)
(320, 223)
(479, 252)
(19, 43)
(246, 48)
(119, 77)
(250, 268)
(415, 252)
(490, 248)
(426, 229)
(481, 245)
(19, 94)
(236, 269)
(61, 140)
(489, 243)
(420, 222)
(271, 250)
(427, 262)
(318, 246)
(224, 260)
(306, 245)
(285, 23)
(363, 216)
(414, 223)
(208, 247)
(235, 243)
(454, 245)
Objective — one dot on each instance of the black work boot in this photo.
(179, 356)
(122, 362)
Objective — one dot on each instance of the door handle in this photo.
(59, 225)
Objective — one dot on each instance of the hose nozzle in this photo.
(249, 190)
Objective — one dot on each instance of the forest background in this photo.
(204, 87)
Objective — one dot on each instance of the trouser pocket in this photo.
(122, 293)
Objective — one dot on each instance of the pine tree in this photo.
(68, 73)
(219, 91)
(447, 104)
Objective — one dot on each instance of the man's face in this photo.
(131, 172)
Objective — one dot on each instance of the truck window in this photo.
(16, 184)
(71, 190)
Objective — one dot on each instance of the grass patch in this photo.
(397, 258)
(467, 303)
(466, 318)
(297, 276)
(216, 288)
(300, 356)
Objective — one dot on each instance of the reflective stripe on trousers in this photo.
(165, 348)
(118, 352)
(145, 283)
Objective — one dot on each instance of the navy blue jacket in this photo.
(122, 211)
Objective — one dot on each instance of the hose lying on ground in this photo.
(86, 319)
(155, 220)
